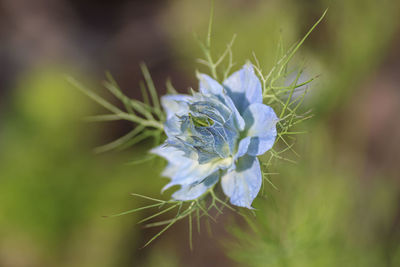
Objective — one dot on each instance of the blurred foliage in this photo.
(54, 190)
(322, 215)
(347, 45)
(326, 213)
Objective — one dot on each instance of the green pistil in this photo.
(201, 121)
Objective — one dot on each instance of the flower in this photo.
(218, 134)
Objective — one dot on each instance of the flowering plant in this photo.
(214, 134)
(217, 133)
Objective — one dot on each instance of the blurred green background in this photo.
(338, 206)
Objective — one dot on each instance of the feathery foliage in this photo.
(148, 118)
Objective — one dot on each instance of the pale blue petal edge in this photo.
(261, 127)
(243, 184)
(244, 87)
(243, 147)
(175, 104)
(193, 191)
(208, 85)
(181, 169)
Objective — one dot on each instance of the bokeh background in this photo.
(338, 206)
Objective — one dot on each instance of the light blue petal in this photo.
(243, 147)
(242, 184)
(221, 142)
(261, 126)
(176, 160)
(175, 104)
(183, 170)
(238, 118)
(244, 88)
(193, 173)
(193, 191)
(259, 146)
(172, 126)
(171, 154)
(210, 86)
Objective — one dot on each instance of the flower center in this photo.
(201, 121)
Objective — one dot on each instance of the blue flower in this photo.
(218, 134)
